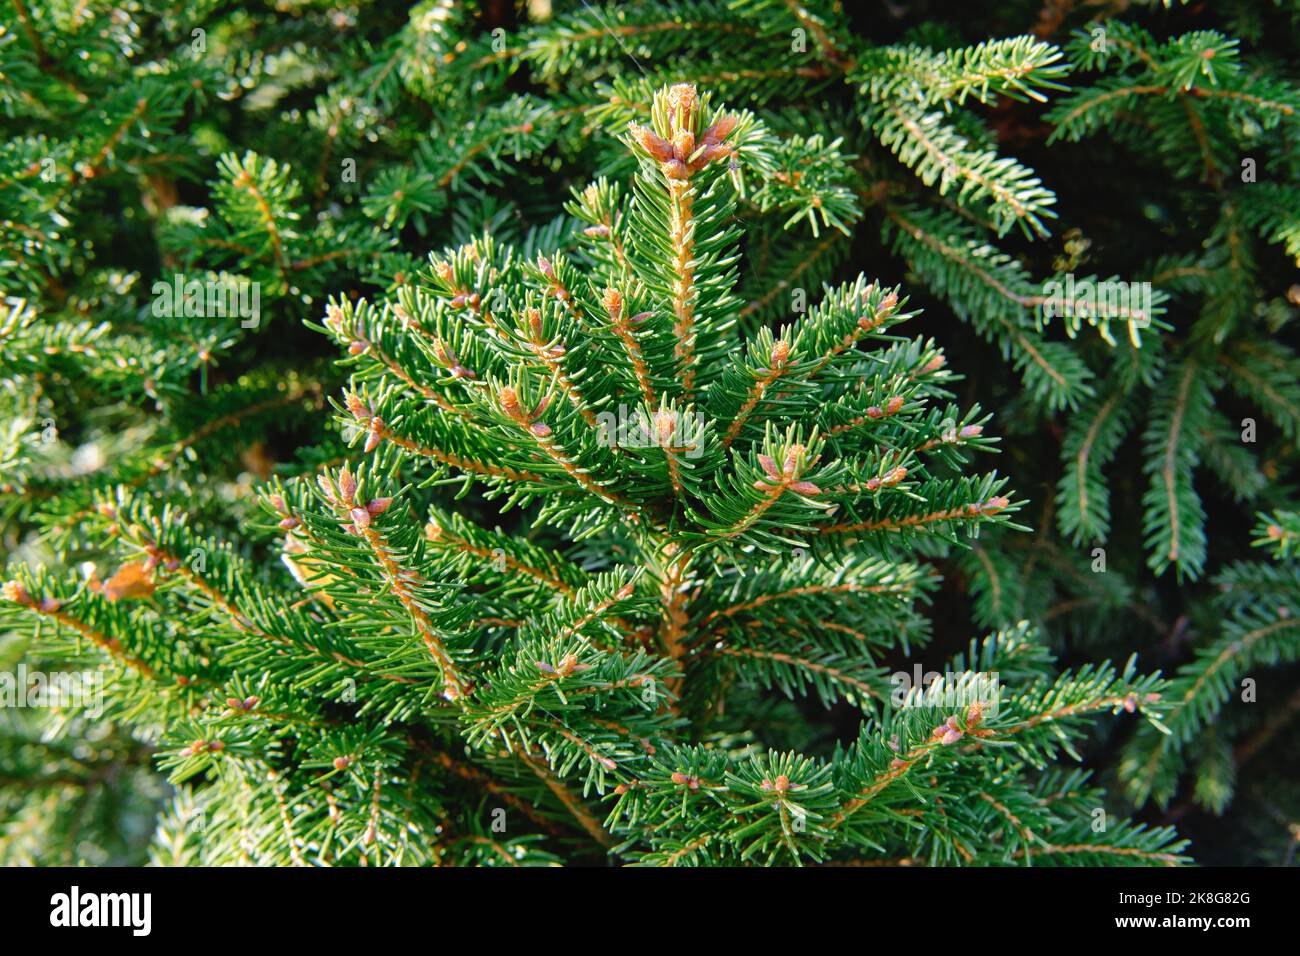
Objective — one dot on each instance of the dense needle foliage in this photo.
(562, 433)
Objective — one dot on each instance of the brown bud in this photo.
(723, 124)
(359, 409)
(683, 145)
(509, 400)
(612, 299)
(685, 779)
(682, 101)
(792, 456)
(360, 518)
(948, 732)
(659, 149)
(347, 485)
(334, 317)
(378, 506)
(675, 169)
(665, 426)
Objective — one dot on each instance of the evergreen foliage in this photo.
(566, 475)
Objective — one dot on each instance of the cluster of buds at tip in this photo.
(364, 413)
(785, 476)
(682, 154)
(949, 732)
(990, 507)
(685, 780)
(891, 407)
(203, 746)
(886, 308)
(361, 516)
(509, 400)
(245, 705)
(889, 480)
